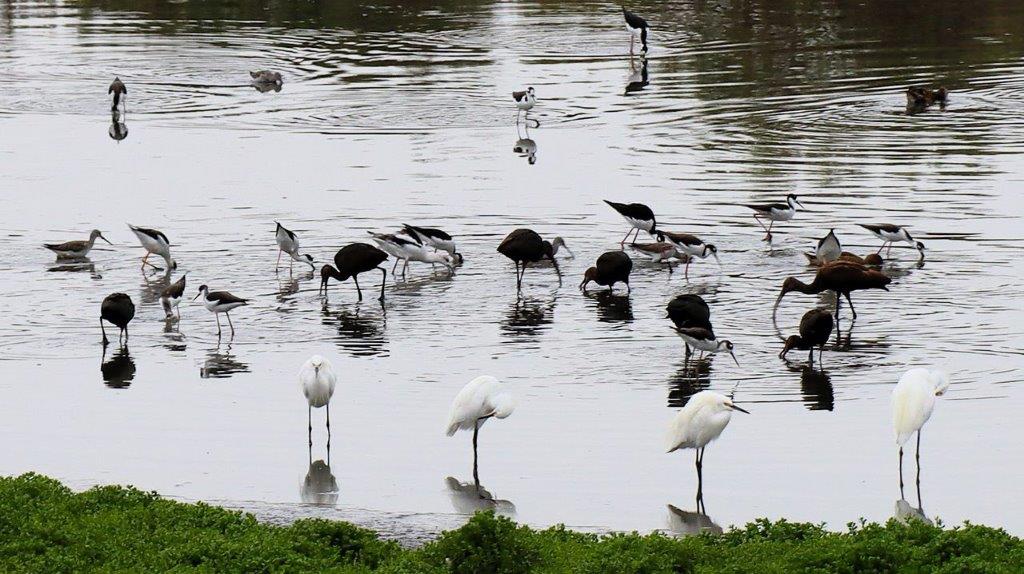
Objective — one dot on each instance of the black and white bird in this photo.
(704, 340)
(815, 329)
(433, 237)
(524, 246)
(689, 311)
(155, 243)
(775, 212)
(288, 242)
(405, 250)
(638, 216)
(117, 309)
(690, 245)
(890, 234)
(218, 302)
(659, 252)
(612, 267)
(635, 24)
(525, 101)
(118, 89)
(171, 296)
(829, 249)
(76, 249)
(350, 261)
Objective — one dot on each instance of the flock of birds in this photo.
(706, 414)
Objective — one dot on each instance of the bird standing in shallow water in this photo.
(775, 212)
(635, 24)
(318, 380)
(658, 252)
(76, 249)
(692, 246)
(638, 216)
(869, 260)
(171, 296)
(525, 246)
(352, 260)
(829, 249)
(288, 242)
(890, 233)
(612, 267)
(118, 309)
(481, 399)
(119, 90)
(841, 277)
(704, 341)
(154, 242)
(525, 101)
(405, 250)
(913, 401)
(433, 237)
(815, 329)
(218, 302)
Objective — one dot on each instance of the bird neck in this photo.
(813, 289)
(330, 271)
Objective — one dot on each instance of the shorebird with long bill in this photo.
(638, 216)
(155, 243)
(890, 234)
(288, 242)
(77, 249)
(218, 302)
(774, 212)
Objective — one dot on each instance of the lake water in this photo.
(392, 115)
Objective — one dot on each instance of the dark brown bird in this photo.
(612, 267)
(842, 277)
(525, 246)
(869, 260)
(352, 260)
(919, 96)
(117, 309)
(815, 328)
(117, 88)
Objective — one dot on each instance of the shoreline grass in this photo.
(46, 527)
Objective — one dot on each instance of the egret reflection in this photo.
(319, 486)
(686, 523)
(469, 498)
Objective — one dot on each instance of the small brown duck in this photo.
(266, 77)
(919, 96)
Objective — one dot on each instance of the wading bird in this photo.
(405, 250)
(155, 243)
(288, 242)
(612, 267)
(482, 398)
(841, 277)
(218, 302)
(434, 238)
(869, 260)
(658, 252)
(76, 249)
(117, 309)
(704, 340)
(638, 216)
(775, 212)
(635, 24)
(350, 261)
(119, 90)
(318, 380)
(913, 401)
(890, 233)
(525, 101)
(829, 249)
(701, 421)
(689, 311)
(691, 245)
(524, 246)
(815, 329)
(171, 296)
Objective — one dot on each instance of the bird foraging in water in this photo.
(266, 77)
(352, 260)
(119, 90)
(658, 252)
(841, 277)
(704, 340)
(775, 212)
(689, 311)
(890, 233)
(612, 267)
(171, 296)
(155, 243)
(701, 421)
(117, 309)
(525, 246)
(481, 399)
(635, 24)
(288, 242)
(76, 249)
(692, 246)
(869, 260)
(815, 329)
(405, 250)
(638, 216)
(525, 101)
(829, 249)
(434, 238)
(318, 380)
(913, 401)
(218, 302)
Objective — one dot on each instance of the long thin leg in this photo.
(217, 316)
(278, 259)
(917, 456)
(770, 225)
(850, 301)
(476, 474)
(700, 474)
(686, 270)
(623, 242)
(901, 472)
(309, 421)
(228, 315)
(519, 277)
(383, 280)
(126, 334)
(328, 425)
(810, 356)
(839, 304)
(395, 266)
(405, 267)
(358, 290)
(104, 331)
(636, 235)
(144, 259)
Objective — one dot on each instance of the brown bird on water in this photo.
(815, 328)
(117, 88)
(525, 246)
(918, 96)
(842, 277)
(612, 267)
(870, 260)
(350, 261)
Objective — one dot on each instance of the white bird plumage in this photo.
(913, 401)
(482, 398)
(318, 381)
(701, 421)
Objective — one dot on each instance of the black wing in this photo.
(176, 289)
(427, 232)
(225, 297)
(633, 210)
(698, 333)
(634, 21)
(886, 227)
(519, 96)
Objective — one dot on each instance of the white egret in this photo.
(913, 401)
(701, 421)
(482, 398)
(318, 379)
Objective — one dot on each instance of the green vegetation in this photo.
(45, 527)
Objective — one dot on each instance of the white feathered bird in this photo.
(318, 380)
(701, 421)
(481, 399)
(913, 401)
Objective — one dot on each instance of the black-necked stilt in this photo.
(433, 237)
(612, 267)
(525, 101)
(218, 302)
(76, 249)
(829, 248)
(658, 252)
(350, 261)
(154, 242)
(318, 381)
(870, 260)
(691, 245)
(635, 24)
(774, 212)
(890, 233)
(525, 246)
(119, 90)
(288, 242)
(117, 309)
(407, 251)
(815, 329)
(841, 277)
(266, 77)
(638, 216)
(172, 295)
(704, 340)
(689, 311)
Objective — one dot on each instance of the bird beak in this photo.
(736, 408)
(885, 287)
(197, 295)
(800, 204)
(105, 239)
(778, 301)
(583, 284)
(717, 260)
(571, 254)
(733, 355)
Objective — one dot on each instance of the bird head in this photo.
(559, 243)
(589, 275)
(97, 234)
(874, 259)
(317, 362)
(174, 265)
(941, 382)
(791, 199)
(709, 248)
(530, 91)
(790, 284)
(791, 342)
(309, 260)
(459, 259)
(444, 258)
(727, 346)
(202, 289)
(920, 247)
(504, 403)
(727, 404)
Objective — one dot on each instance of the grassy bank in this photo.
(45, 527)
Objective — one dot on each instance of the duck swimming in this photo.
(919, 96)
(266, 77)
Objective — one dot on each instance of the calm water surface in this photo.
(396, 114)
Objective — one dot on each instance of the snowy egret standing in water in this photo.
(318, 379)
(482, 398)
(913, 401)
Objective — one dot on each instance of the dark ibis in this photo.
(815, 329)
(352, 260)
(118, 310)
(841, 277)
(525, 246)
(612, 267)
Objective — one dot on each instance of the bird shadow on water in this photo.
(118, 129)
(319, 486)
(470, 497)
(118, 371)
(638, 77)
(359, 332)
(611, 307)
(221, 365)
(527, 318)
(290, 285)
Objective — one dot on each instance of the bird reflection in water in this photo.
(470, 497)
(638, 79)
(118, 127)
(153, 286)
(119, 371)
(525, 146)
(690, 379)
(319, 486)
(362, 334)
(611, 307)
(816, 388)
(172, 332)
(264, 87)
(82, 265)
(290, 285)
(686, 523)
(220, 365)
(527, 318)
